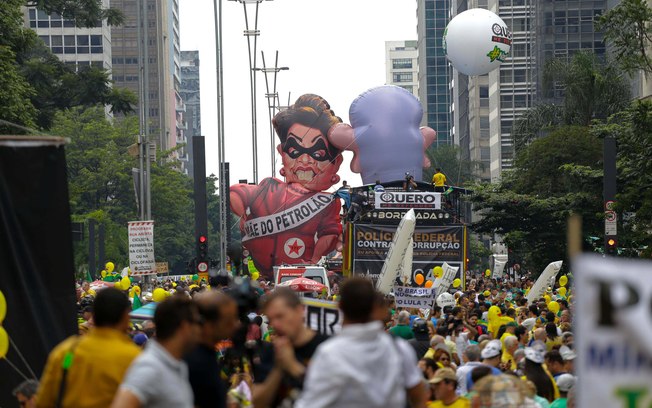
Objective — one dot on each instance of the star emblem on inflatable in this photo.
(496, 54)
(294, 248)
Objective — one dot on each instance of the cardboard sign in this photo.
(141, 248)
(407, 296)
(162, 267)
(614, 332)
(322, 316)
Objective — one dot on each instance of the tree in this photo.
(531, 204)
(449, 159)
(592, 90)
(627, 27)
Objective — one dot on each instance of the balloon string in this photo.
(22, 358)
(16, 369)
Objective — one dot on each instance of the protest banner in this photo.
(322, 316)
(407, 296)
(396, 253)
(540, 286)
(500, 260)
(614, 351)
(141, 248)
(444, 283)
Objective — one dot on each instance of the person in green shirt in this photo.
(402, 328)
(564, 382)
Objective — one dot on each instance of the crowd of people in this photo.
(219, 346)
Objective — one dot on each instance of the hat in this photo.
(567, 354)
(420, 326)
(512, 324)
(493, 349)
(140, 339)
(536, 353)
(565, 382)
(443, 374)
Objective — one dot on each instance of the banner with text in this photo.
(322, 316)
(141, 248)
(407, 296)
(613, 346)
(432, 246)
(406, 200)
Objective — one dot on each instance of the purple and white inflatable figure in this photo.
(385, 135)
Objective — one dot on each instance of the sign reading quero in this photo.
(141, 248)
(403, 200)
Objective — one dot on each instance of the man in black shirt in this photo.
(280, 367)
(219, 315)
(421, 341)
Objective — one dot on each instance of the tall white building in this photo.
(401, 65)
(75, 46)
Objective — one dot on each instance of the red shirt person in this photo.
(293, 221)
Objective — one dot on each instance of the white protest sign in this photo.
(500, 260)
(141, 248)
(540, 286)
(407, 296)
(406, 266)
(322, 316)
(614, 332)
(447, 278)
(396, 253)
(445, 299)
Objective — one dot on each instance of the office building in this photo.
(75, 46)
(401, 65)
(191, 96)
(157, 63)
(434, 69)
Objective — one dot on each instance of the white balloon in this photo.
(445, 299)
(477, 41)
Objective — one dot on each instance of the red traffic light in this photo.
(202, 239)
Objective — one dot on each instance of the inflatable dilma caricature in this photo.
(294, 222)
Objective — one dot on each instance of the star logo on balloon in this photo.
(294, 248)
(497, 54)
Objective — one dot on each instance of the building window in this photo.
(402, 63)
(485, 154)
(408, 88)
(403, 77)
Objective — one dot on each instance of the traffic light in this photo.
(612, 246)
(202, 255)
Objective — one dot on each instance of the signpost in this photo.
(141, 248)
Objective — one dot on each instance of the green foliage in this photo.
(592, 90)
(458, 170)
(15, 94)
(632, 129)
(85, 13)
(101, 187)
(628, 29)
(531, 204)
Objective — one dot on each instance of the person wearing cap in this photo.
(568, 355)
(536, 372)
(421, 341)
(445, 385)
(565, 382)
(490, 354)
(140, 339)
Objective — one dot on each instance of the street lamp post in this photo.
(252, 35)
(223, 180)
(272, 102)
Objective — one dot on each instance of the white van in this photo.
(286, 273)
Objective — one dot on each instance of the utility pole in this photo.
(223, 183)
(609, 192)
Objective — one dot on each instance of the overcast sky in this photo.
(334, 48)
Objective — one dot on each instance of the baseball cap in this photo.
(420, 326)
(565, 382)
(493, 349)
(512, 324)
(443, 374)
(140, 339)
(567, 354)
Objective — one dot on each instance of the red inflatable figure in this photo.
(294, 222)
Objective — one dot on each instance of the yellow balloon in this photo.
(546, 298)
(428, 284)
(457, 282)
(159, 295)
(553, 307)
(118, 285)
(487, 273)
(109, 267)
(437, 271)
(103, 274)
(255, 275)
(562, 291)
(125, 283)
(4, 342)
(486, 294)
(3, 307)
(563, 281)
(419, 279)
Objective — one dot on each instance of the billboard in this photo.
(433, 245)
(391, 200)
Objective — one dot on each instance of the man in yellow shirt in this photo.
(87, 291)
(510, 346)
(439, 180)
(445, 384)
(91, 367)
